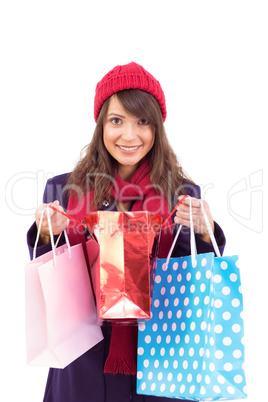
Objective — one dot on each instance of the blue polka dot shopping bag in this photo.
(193, 346)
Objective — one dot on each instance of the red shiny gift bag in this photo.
(123, 262)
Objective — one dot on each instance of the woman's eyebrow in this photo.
(115, 114)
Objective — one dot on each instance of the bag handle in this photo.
(53, 245)
(210, 231)
(192, 236)
(71, 219)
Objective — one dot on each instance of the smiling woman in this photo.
(134, 117)
(128, 165)
(127, 138)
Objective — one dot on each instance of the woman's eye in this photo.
(116, 120)
(144, 122)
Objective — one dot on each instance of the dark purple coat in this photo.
(83, 380)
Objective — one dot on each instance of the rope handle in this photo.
(192, 238)
(70, 218)
(85, 226)
(53, 245)
(172, 212)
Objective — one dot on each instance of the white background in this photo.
(211, 60)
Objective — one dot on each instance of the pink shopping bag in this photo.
(60, 307)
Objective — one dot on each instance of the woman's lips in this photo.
(128, 149)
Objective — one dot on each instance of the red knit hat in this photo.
(129, 76)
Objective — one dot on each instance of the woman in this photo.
(129, 165)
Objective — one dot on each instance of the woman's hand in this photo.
(59, 222)
(183, 216)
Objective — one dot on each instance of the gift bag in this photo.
(123, 262)
(193, 346)
(60, 308)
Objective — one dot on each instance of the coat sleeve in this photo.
(182, 246)
(53, 191)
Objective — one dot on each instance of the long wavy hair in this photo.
(96, 168)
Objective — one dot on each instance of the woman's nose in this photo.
(129, 132)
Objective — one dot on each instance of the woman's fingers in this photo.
(183, 216)
(59, 222)
(184, 207)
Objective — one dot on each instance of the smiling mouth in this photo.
(129, 149)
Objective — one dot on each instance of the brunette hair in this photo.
(97, 168)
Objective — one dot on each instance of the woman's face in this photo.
(127, 138)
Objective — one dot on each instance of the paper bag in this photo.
(60, 307)
(123, 265)
(193, 347)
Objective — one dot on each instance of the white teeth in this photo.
(128, 149)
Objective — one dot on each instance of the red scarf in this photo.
(123, 349)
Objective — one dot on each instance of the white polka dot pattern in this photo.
(192, 347)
